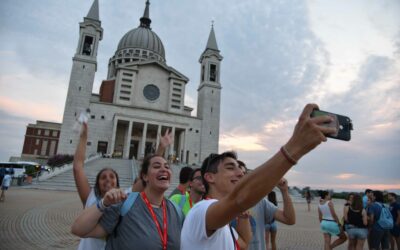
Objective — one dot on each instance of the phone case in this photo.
(343, 123)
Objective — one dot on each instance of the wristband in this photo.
(100, 205)
(288, 157)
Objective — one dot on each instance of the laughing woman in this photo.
(152, 221)
(106, 180)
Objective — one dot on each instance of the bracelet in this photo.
(288, 157)
(100, 205)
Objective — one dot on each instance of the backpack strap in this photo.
(128, 203)
(183, 201)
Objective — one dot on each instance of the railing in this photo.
(62, 169)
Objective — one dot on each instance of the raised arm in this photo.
(87, 223)
(287, 215)
(308, 133)
(165, 141)
(81, 180)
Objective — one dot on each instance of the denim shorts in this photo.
(330, 227)
(271, 227)
(357, 233)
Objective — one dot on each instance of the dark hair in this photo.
(378, 195)
(393, 194)
(367, 191)
(97, 191)
(349, 195)
(241, 164)
(184, 174)
(145, 166)
(272, 198)
(323, 194)
(357, 203)
(194, 172)
(210, 164)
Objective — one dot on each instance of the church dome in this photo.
(142, 38)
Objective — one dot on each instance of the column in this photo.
(158, 136)
(171, 147)
(114, 133)
(183, 146)
(143, 144)
(128, 136)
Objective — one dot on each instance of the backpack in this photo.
(128, 203)
(385, 219)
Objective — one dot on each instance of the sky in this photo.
(278, 56)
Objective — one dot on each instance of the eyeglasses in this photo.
(198, 178)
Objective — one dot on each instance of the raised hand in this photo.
(84, 131)
(114, 196)
(167, 139)
(283, 185)
(308, 132)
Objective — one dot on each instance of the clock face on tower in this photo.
(151, 92)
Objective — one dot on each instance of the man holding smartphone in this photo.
(229, 195)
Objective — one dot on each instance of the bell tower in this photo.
(209, 96)
(84, 66)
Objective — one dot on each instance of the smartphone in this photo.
(343, 125)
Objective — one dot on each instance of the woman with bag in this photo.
(355, 217)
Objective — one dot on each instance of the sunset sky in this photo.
(278, 56)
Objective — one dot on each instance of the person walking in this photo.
(329, 222)
(355, 217)
(5, 184)
(308, 199)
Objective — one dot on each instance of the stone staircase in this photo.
(65, 181)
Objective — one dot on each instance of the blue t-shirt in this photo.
(394, 208)
(375, 209)
(365, 201)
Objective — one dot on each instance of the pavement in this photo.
(41, 219)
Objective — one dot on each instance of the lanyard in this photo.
(164, 233)
(190, 201)
(182, 190)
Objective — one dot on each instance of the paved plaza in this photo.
(41, 219)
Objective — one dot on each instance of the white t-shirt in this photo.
(91, 243)
(6, 180)
(194, 235)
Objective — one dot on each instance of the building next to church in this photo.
(141, 97)
(41, 140)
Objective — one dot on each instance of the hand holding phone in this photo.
(343, 124)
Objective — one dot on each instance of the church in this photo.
(141, 97)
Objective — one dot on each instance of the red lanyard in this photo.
(164, 233)
(190, 201)
(182, 190)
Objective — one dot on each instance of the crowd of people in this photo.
(217, 206)
(365, 219)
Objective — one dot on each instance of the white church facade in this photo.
(141, 97)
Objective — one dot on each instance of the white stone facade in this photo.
(148, 98)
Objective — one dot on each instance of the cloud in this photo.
(345, 176)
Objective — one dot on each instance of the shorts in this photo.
(357, 233)
(4, 188)
(271, 227)
(330, 227)
(395, 231)
(378, 237)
